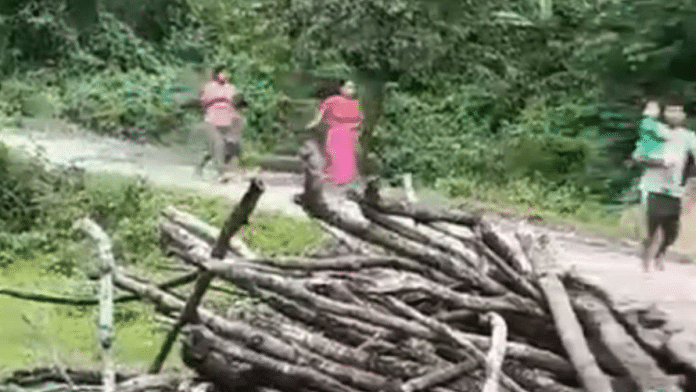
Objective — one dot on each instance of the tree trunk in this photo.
(640, 366)
(567, 325)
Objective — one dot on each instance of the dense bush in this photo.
(134, 103)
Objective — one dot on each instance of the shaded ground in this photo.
(616, 265)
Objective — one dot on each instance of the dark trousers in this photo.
(663, 214)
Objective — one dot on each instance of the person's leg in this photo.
(206, 155)
(650, 243)
(670, 230)
(233, 154)
(216, 148)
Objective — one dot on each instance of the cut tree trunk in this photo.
(279, 374)
(567, 325)
(422, 214)
(642, 368)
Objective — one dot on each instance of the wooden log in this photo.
(225, 373)
(396, 282)
(353, 244)
(517, 282)
(448, 333)
(496, 354)
(406, 248)
(42, 375)
(205, 231)
(106, 298)
(421, 213)
(567, 324)
(282, 373)
(238, 218)
(439, 376)
(345, 263)
(541, 358)
(642, 368)
(314, 203)
(628, 312)
(182, 241)
(681, 350)
(340, 361)
(501, 246)
(188, 314)
(164, 382)
(534, 380)
(417, 236)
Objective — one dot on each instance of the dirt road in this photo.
(674, 290)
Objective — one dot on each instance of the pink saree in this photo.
(342, 116)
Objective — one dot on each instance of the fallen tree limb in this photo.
(314, 203)
(355, 245)
(340, 361)
(403, 282)
(279, 372)
(439, 376)
(205, 231)
(496, 354)
(415, 235)
(567, 325)
(520, 284)
(238, 218)
(106, 298)
(150, 383)
(627, 312)
(410, 249)
(235, 274)
(640, 366)
(420, 213)
(60, 300)
(497, 242)
(455, 336)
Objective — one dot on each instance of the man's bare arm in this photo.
(649, 162)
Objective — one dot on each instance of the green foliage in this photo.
(26, 188)
(134, 103)
(111, 43)
(535, 193)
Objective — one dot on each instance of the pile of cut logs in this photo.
(427, 300)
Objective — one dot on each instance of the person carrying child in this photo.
(662, 151)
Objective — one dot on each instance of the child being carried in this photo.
(654, 142)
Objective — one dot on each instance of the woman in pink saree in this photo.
(342, 114)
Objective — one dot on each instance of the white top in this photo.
(669, 180)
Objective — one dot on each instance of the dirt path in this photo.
(674, 290)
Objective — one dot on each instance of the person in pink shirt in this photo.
(223, 123)
(342, 114)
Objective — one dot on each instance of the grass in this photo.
(34, 334)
